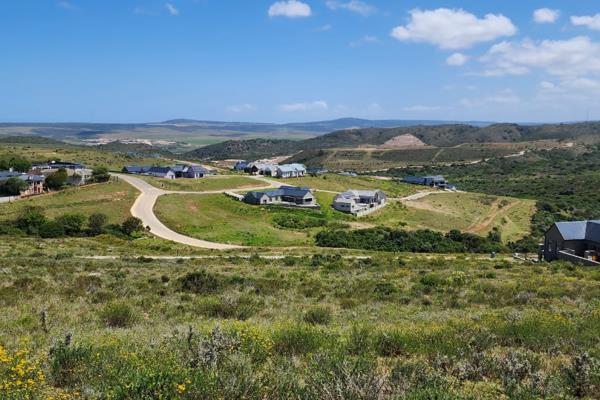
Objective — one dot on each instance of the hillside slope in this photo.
(448, 135)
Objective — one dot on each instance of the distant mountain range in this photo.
(186, 130)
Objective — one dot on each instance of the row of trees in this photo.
(33, 221)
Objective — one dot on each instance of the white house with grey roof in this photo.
(291, 171)
(359, 202)
(285, 195)
(577, 241)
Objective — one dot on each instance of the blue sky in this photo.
(292, 60)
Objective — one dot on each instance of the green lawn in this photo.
(219, 182)
(221, 219)
(113, 199)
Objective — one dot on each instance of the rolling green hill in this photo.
(431, 136)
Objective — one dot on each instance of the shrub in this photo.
(97, 223)
(132, 225)
(51, 229)
(57, 180)
(199, 282)
(118, 315)
(100, 174)
(297, 339)
(293, 221)
(229, 306)
(31, 219)
(72, 223)
(68, 364)
(318, 316)
(13, 186)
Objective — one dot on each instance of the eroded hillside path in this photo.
(143, 208)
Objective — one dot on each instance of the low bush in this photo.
(297, 339)
(118, 315)
(317, 316)
(199, 282)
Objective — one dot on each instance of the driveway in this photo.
(143, 208)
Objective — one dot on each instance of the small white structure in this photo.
(359, 202)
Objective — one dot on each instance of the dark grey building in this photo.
(577, 241)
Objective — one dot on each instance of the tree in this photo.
(30, 220)
(100, 174)
(72, 223)
(131, 225)
(57, 180)
(14, 186)
(51, 229)
(17, 163)
(96, 223)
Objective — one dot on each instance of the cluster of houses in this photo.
(355, 202)
(270, 169)
(174, 172)
(77, 173)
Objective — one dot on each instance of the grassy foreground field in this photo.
(113, 199)
(418, 327)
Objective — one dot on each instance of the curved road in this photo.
(143, 208)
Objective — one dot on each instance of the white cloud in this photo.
(309, 106)
(241, 108)
(65, 5)
(592, 22)
(453, 29)
(457, 59)
(172, 9)
(290, 8)
(364, 40)
(421, 108)
(573, 57)
(357, 6)
(545, 15)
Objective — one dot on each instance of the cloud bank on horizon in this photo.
(303, 59)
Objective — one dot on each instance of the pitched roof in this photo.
(291, 167)
(579, 230)
(6, 175)
(351, 194)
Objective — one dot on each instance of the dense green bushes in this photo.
(422, 241)
(297, 221)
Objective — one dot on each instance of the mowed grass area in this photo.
(219, 182)
(113, 199)
(89, 156)
(339, 183)
(221, 219)
(389, 327)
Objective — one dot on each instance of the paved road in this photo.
(143, 208)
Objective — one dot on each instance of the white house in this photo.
(359, 202)
(290, 171)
